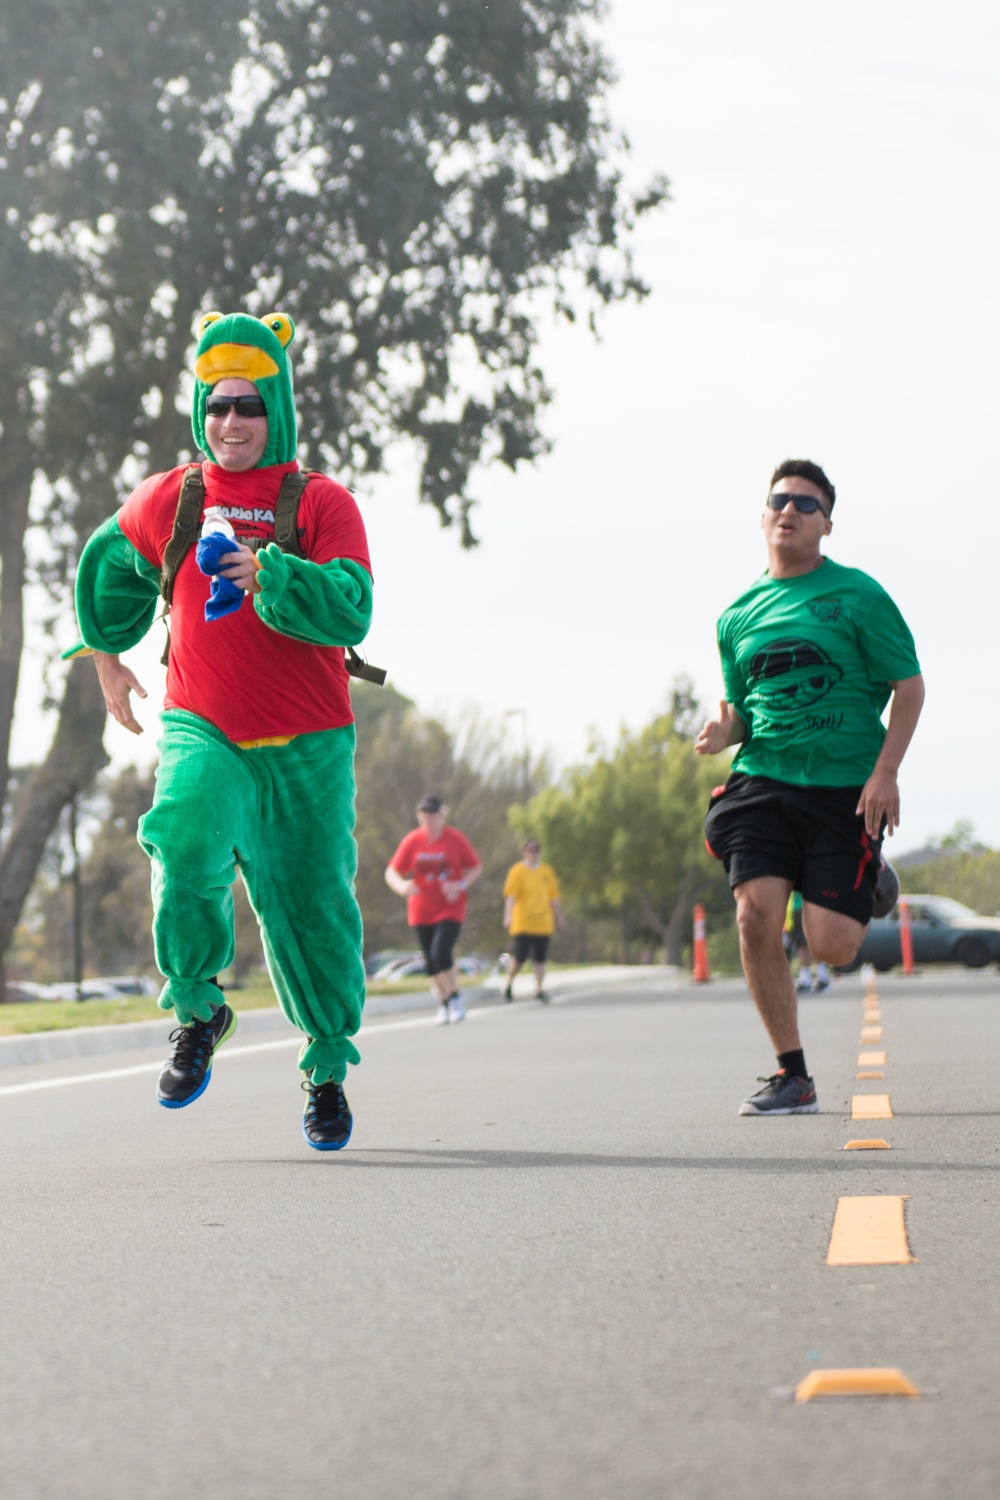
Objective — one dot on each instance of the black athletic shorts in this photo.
(438, 939)
(809, 835)
(533, 945)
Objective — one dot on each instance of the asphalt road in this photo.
(553, 1262)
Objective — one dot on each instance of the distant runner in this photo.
(531, 913)
(798, 949)
(811, 654)
(433, 868)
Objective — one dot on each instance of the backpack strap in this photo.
(286, 511)
(190, 502)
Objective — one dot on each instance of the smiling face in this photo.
(236, 443)
(793, 539)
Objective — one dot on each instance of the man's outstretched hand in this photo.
(718, 734)
(117, 684)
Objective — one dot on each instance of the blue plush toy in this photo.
(217, 539)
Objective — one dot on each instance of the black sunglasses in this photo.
(806, 505)
(246, 406)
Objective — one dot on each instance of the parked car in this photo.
(398, 966)
(114, 988)
(411, 965)
(944, 932)
(21, 991)
(374, 962)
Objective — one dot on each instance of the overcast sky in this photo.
(824, 285)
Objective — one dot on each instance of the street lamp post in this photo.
(77, 888)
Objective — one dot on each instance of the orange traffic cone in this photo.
(905, 937)
(701, 973)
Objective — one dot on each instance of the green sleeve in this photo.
(324, 604)
(886, 643)
(732, 678)
(116, 591)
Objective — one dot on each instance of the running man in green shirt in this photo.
(811, 655)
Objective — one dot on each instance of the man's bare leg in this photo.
(441, 985)
(832, 937)
(760, 916)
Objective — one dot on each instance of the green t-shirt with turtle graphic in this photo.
(807, 663)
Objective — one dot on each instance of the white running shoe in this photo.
(456, 1008)
(443, 1014)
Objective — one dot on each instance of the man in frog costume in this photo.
(257, 756)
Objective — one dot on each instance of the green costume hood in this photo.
(234, 345)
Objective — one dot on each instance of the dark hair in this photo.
(804, 468)
(431, 803)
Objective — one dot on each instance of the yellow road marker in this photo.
(871, 1107)
(870, 1073)
(869, 1232)
(871, 1033)
(854, 1383)
(871, 1059)
(868, 1146)
(873, 1015)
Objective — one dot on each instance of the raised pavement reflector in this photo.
(878, 1382)
(869, 1231)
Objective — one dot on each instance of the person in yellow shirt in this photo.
(531, 912)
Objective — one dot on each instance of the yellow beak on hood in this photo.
(234, 362)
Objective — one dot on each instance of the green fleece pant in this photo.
(285, 815)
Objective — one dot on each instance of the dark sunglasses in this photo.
(806, 505)
(246, 406)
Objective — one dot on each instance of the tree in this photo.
(969, 875)
(117, 909)
(624, 831)
(414, 184)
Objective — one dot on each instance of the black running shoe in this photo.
(185, 1077)
(327, 1121)
(508, 994)
(886, 890)
(782, 1095)
(543, 997)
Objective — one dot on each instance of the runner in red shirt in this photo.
(433, 868)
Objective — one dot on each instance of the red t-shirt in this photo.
(431, 864)
(247, 679)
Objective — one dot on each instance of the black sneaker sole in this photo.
(327, 1145)
(183, 1103)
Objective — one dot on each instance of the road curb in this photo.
(94, 1041)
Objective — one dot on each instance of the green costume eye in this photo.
(207, 320)
(281, 326)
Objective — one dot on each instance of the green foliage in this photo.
(625, 832)
(413, 183)
(969, 876)
(117, 909)
(961, 837)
